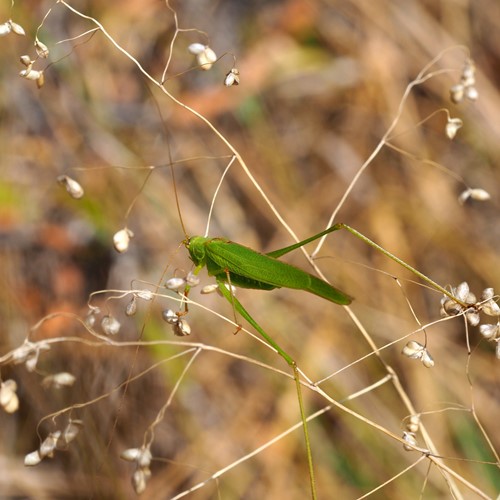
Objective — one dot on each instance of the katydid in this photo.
(243, 267)
(234, 264)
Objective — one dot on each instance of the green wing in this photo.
(251, 269)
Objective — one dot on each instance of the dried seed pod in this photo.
(489, 332)
(110, 325)
(31, 74)
(131, 308)
(17, 28)
(139, 479)
(410, 438)
(488, 293)
(144, 458)
(232, 78)
(471, 93)
(62, 379)
(450, 308)
(5, 28)
(182, 328)
(32, 459)
(206, 58)
(175, 283)
(69, 433)
(413, 350)
(74, 189)
(413, 424)
(197, 48)
(49, 444)
(121, 240)
(8, 397)
(31, 363)
(26, 60)
(452, 126)
(468, 73)
(472, 317)
(130, 455)
(477, 194)
(40, 81)
(90, 319)
(491, 308)
(427, 360)
(209, 289)
(170, 316)
(457, 93)
(41, 49)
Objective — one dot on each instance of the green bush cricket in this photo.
(234, 264)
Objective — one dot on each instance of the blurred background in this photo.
(321, 82)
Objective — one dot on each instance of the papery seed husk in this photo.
(410, 438)
(30, 74)
(452, 127)
(414, 423)
(170, 317)
(427, 360)
(473, 318)
(130, 455)
(32, 459)
(461, 291)
(110, 325)
(488, 293)
(121, 240)
(8, 397)
(196, 48)
(90, 320)
(144, 458)
(175, 283)
(491, 308)
(65, 379)
(139, 479)
(457, 93)
(73, 187)
(232, 78)
(479, 194)
(464, 196)
(49, 444)
(488, 331)
(131, 308)
(41, 49)
(5, 29)
(209, 289)
(31, 362)
(413, 349)
(206, 58)
(71, 431)
(182, 328)
(17, 28)
(452, 308)
(26, 60)
(40, 81)
(471, 93)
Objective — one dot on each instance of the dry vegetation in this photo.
(321, 82)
